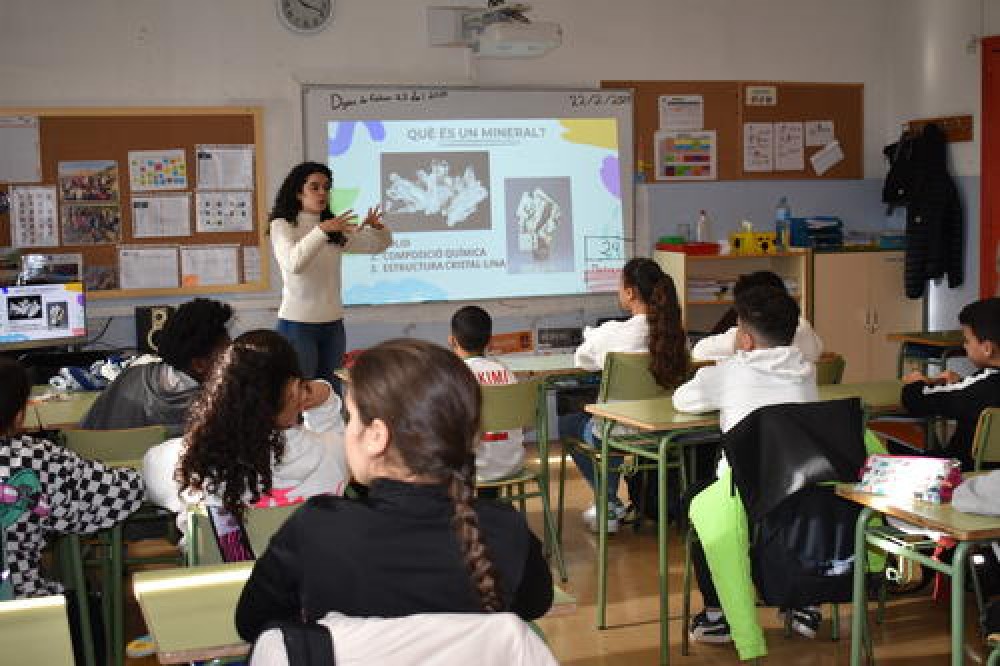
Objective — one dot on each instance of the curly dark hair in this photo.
(14, 396)
(667, 340)
(196, 330)
(232, 432)
(286, 201)
(434, 432)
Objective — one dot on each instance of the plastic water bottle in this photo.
(703, 229)
(782, 223)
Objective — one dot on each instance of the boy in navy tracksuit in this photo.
(953, 397)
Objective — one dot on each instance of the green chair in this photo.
(994, 642)
(513, 406)
(625, 377)
(120, 448)
(36, 631)
(986, 442)
(260, 524)
(830, 368)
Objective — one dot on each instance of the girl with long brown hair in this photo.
(419, 542)
(649, 296)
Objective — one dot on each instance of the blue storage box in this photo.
(818, 231)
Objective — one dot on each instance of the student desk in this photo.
(62, 412)
(944, 344)
(965, 528)
(189, 611)
(658, 415)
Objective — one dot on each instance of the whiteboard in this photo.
(548, 201)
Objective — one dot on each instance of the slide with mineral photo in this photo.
(481, 208)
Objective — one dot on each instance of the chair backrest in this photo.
(260, 525)
(626, 376)
(126, 445)
(510, 406)
(986, 443)
(35, 631)
(830, 368)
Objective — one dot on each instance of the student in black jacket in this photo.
(963, 399)
(419, 542)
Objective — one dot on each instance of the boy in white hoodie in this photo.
(765, 370)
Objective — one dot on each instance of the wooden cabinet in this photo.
(858, 300)
(693, 275)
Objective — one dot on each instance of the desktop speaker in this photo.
(149, 321)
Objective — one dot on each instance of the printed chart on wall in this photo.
(489, 193)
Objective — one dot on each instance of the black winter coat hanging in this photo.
(918, 178)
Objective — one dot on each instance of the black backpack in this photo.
(307, 644)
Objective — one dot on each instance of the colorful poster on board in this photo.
(153, 170)
(685, 155)
(89, 180)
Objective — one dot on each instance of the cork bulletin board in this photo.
(733, 108)
(204, 180)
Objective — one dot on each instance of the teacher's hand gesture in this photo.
(338, 222)
(374, 218)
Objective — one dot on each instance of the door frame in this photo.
(990, 172)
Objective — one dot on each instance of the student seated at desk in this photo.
(961, 399)
(160, 393)
(724, 344)
(766, 370)
(47, 490)
(259, 434)
(499, 454)
(649, 295)
(419, 542)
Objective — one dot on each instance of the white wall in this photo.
(214, 52)
(935, 70)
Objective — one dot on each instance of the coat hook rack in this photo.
(956, 128)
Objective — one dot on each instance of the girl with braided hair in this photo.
(419, 542)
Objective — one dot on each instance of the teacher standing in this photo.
(308, 242)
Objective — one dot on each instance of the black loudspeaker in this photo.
(149, 321)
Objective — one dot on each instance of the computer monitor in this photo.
(42, 315)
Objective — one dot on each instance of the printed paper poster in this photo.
(91, 224)
(819, 132)
(682, 112)
(789, 152)
(161, 216)
(225, 167)
(758, 147)
(33, 220)
(148, 266)
(224, 211)
(210, 265)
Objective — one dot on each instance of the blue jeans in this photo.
(320, 347)
(578, 425)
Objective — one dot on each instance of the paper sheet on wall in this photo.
(20, 152)
(789, 153)
(209, 265)
(225, 167)
(682, 112)
(148, 266)
(33, 216)
(819, 132)
(685, 155)
(224, 211)
(758, 147)
(827, 156)
(251, 264)
(160, 216)
(152, 170)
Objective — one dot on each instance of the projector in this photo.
(517, 40)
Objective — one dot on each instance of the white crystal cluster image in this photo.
(435, 192)
(538, 217)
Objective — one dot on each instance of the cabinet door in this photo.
(841, 314)
(892, 312)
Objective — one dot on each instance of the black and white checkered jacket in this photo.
(83, 496)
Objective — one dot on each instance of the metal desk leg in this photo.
(859, 599)
(661, 534)
(602, 525)
(958, 566)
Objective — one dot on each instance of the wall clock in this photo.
(305, 17)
